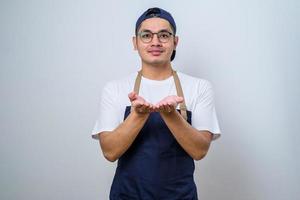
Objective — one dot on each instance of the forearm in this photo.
(194, 143)
(115, 143)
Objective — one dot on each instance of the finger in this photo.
(167, 108)
(162, 108)
(156, 105)
(137, 104)
(171, 106)
(140, 104)
(138, 108)
(144, 108)
(149, 107)
(152, 108)
(159, 107)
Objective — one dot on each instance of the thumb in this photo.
(132, 96)
(179, 99)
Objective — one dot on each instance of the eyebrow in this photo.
(146, 30)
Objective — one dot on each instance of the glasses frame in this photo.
(152, 35)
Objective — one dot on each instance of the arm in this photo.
(194, 143)
(115, 143)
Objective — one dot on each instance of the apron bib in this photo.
(155, 166)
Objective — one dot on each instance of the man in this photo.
(157, 121)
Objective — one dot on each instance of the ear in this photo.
(134, 43)
(176, 39)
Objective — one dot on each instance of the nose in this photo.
(155, 41)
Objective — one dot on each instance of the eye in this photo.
(146, 35)
(164, 35)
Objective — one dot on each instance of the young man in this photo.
(157, 121)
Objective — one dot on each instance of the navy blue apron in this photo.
(155, 166)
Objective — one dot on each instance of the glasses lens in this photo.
(146, 36)
(164, 36)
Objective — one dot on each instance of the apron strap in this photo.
(179, 91)
(137, 84)
(182, 105)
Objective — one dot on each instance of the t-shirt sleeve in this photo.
(108, 113)
(204, 115)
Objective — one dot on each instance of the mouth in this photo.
(155, 52)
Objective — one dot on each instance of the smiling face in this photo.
(155, 52)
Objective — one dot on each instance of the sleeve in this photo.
(108, 114)
(204, 115)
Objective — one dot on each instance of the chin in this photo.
(155, 61)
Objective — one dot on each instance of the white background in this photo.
(56, 55)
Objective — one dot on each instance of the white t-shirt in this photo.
(198, 94)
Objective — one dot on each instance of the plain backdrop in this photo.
(56, 55)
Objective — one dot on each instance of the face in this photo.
(155, 52)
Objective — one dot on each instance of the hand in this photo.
(141, 106)
(168, 104)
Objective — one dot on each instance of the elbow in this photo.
(109, 154)
(107, 151)
(201, 151)
(110, 157)
(199, 156)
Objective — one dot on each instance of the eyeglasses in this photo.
(147, 36)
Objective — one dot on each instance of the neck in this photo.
(157, 72)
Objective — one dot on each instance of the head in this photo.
(155, 36)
